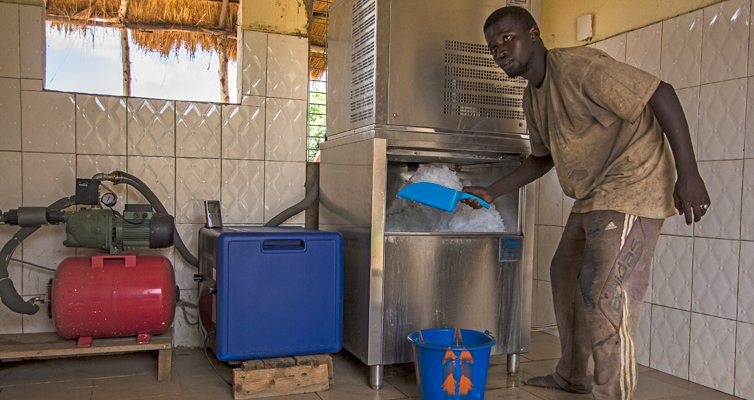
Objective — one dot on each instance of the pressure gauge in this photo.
(109, 199)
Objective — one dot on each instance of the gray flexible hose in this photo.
(159, 207)
(8, 292)
(309, 199)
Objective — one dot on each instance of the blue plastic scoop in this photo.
(437, 196)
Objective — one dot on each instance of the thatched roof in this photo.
(163, 26)
(318, 38)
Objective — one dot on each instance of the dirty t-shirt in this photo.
(591, 114)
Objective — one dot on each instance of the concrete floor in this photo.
(134, 376)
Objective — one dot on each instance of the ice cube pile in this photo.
(410, 216)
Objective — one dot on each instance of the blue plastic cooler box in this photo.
(279, 291)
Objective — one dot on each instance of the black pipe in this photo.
(8, 292)
(136, 183)
(308, 200)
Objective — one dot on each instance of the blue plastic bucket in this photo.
(451, 363)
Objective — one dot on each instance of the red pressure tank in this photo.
(113, 295)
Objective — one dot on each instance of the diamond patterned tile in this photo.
(643, 335)
(682, 50)
(671, 278)
(715, 277)
(32, 41)
(643, 48)
(747, 219)
(151, 127)
(45, 248)
(100, 125)
(722, 120)
(47, 178)
(723, 180)
(284, 187)
(47, 121)
(197, 130)
(243, 192)
(197, 179)
(88, 165)
(10, 180)
(567, 207)
(184, 272)
(10, 64)
(725, 41)
(285, 139)
(746, 283)
(10, 111)
(544, 304)
(749, 139)
(548, 238)
(712, 359)
(287, 66)
(254, 63)
(670, 341)
(243, 132)
(615, 47)
(159, 174)
(745, 361)
(550, 202)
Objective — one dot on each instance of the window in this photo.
(316, 123)
(179, 52)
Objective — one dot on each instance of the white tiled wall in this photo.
(698, 319)
(251, 156)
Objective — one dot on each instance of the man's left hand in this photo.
(690, 196)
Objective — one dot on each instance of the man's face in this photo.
(511, 46)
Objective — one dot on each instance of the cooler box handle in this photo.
(283, 245)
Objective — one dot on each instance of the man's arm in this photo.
(530, 170)
(690, 193)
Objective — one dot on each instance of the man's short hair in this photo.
(519, 15)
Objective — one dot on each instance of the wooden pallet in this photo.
(282, 376)
(50, 345)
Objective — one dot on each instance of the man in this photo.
(600, 123)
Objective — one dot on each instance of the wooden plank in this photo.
(164, 364)
(252, 365)
(316, 359)
(270, 382)
(280, 362)
(34, 345)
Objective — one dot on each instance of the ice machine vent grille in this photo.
(457, 84)
(483, 112)
(470, 60)
(466, 47)
(476, 87)
(363, 32)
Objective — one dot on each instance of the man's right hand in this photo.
(478, 191)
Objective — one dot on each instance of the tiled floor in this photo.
(134, 376)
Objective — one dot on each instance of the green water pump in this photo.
(100, 229)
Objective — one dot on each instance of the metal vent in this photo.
(483, 112)
(476, 87)
(457, 84)
(363, 29)
(470, 60)
(466, 47)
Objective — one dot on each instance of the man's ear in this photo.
(534, 32)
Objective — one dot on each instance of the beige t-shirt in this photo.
(591, 114)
